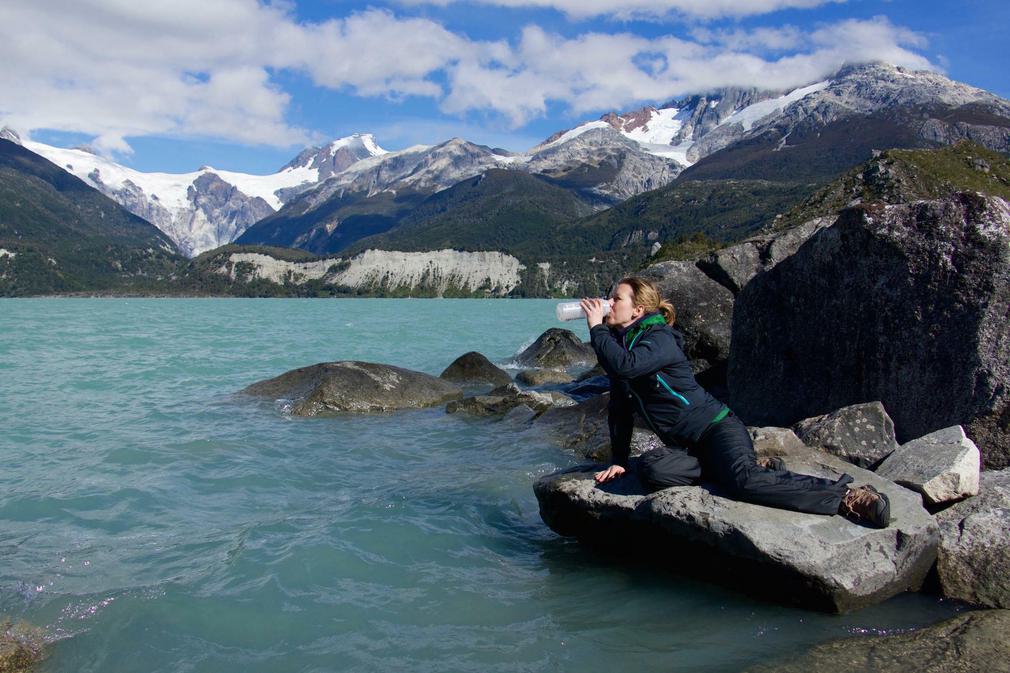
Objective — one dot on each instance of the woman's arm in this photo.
(653, 351)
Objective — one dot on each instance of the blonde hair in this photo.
(647, 296)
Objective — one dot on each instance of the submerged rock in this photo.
(821, 562)
(971, 642)
(22, 645)
(862, 434)
(557, 349)
(943, 466)
(973, 563)
(474, 368)
(350, 386)
(906, 304)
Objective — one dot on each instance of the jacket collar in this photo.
(629, 335)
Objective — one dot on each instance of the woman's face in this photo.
(623, 310)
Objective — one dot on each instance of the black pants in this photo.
(725, 456)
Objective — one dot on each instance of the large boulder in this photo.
(862, 434)
(821, 562)
(557, 349)
(943, 466)
(971, 642)
(904, 304)
(704, 308)
(474, 368)
(973, 563)
(350, 386)
(734, 266)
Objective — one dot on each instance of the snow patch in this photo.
(171, 189)
(751, 114)
(571, 135)
(661, 129)
(7, 253)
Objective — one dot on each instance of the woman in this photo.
(650, 375)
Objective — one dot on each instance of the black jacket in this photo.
(650, 375)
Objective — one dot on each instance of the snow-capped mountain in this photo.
(606, 160)
(209, 207)
(693, 128)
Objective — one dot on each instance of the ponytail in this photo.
(647, 296)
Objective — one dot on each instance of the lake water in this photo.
(152, 520)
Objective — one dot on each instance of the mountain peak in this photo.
(7, 133)
(336, 156)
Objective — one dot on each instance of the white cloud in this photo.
(601, 71)
(647, 9)
(114, 69)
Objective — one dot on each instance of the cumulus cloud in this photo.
(196, 68)
(115, 70)
(647, 9)
(600, 71)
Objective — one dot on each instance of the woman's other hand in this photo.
(612, 472)
(594, 311)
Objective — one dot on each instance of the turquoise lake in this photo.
(151, 519)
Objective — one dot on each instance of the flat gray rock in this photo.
(502, 400)
(973, 563)
(862, 434)
(943, 466)
(821, 562)
(350, 386)
(971, 642)
(541, 377)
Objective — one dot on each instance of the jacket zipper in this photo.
(645, 414)
(672, 391)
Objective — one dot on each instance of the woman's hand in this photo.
(612, 472)
(594, 311)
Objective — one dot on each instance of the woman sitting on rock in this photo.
(650, 375)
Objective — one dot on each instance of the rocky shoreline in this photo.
(801, 331)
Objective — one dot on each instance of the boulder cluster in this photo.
(876, 344)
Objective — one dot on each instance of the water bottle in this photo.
(570, 310)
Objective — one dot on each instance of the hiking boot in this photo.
(771, 463)
(866, 504)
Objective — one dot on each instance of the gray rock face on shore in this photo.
(704, 308)
(733, 267)
(582, 428)
(862, 434)
(542, 377)
(943, 466)
(973, 562)
(906, 304)
(557, 349)
(971, 642)
(502, 400)
(820, 562)
(475, 368)
(350, 386)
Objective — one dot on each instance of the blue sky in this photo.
(244, 85)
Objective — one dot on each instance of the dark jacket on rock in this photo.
(650, 374)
